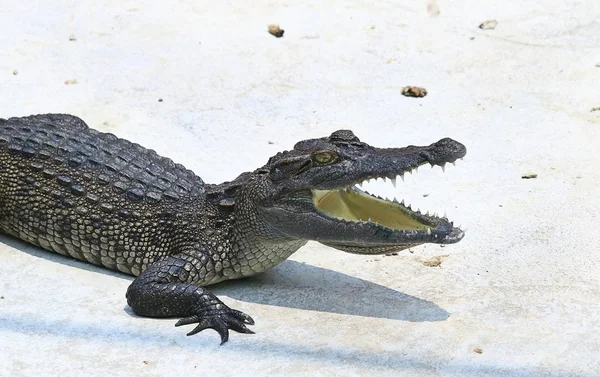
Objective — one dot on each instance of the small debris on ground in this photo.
(271, 142)
(160, 100)
(72, 37)
(15, 72)
(488, 25)
(391, 254)
(433, 8)
(434, 261)
(71, 82)
(1, 297)
(276, 31)
(595, 109)
(598, 65)
(414, 91)
(425, 195)
(478, 350)
(529, 176)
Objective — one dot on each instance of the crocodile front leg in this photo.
(165, 289)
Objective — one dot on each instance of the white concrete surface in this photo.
(523, 286)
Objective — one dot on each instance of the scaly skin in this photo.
(97, 198)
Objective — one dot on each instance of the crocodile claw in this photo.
(221, 320)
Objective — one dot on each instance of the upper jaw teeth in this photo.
(393, 178)
(366, 186)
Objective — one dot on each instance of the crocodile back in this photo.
(80, 192)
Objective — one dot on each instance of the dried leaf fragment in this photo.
(488, 25)
(414, 91)
(276, 31)
(529, 176)
(71, 82)
(434, 261)
(478, 350)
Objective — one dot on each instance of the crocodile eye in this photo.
(323, 157)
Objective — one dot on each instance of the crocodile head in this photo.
(311, 193)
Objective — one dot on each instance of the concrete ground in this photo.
(205, 84)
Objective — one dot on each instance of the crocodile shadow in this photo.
(293, 285)
(302, 286)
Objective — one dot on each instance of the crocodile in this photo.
(92, 196)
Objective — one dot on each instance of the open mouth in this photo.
(351, 204)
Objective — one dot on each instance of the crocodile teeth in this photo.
(429, 231)
(373, 187)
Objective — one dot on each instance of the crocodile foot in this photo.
(221, 318)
